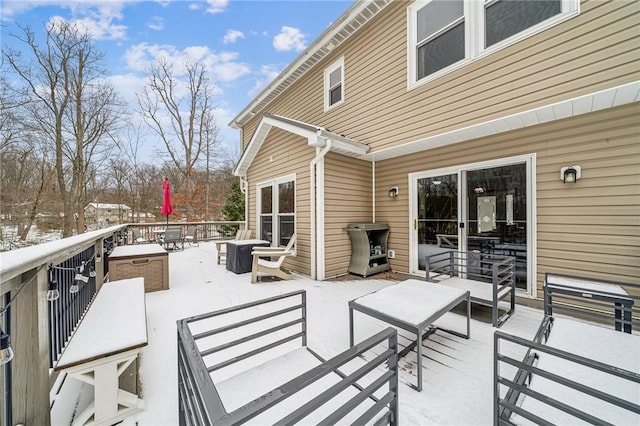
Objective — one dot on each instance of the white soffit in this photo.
(608, 98)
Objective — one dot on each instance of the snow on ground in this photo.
(458, 376)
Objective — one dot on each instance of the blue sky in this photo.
(245, 44)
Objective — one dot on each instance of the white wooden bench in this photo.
(108, 339)
(490, 278)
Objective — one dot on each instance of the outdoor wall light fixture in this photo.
(570, 174)
(393, 192)
(6, 353)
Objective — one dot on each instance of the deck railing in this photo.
(205, 231)
(66, 311)
(40, 329)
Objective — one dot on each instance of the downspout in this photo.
(373, 189)
(314, 193)
(244, 185)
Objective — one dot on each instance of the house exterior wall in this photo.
(348, 199)
(597, 49)
(591, 227)
(101, 215)
(281, 154)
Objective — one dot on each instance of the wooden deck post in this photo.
(30, 343)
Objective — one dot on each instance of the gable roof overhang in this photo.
(316, 136)
(348, 23)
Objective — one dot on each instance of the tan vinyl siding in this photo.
(588, 228)
(281, 154)
(562, 62)
(348, 192)
(592, 227)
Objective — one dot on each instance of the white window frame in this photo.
(327, 72)
(474, 27)
(273, 183)
(532, 229)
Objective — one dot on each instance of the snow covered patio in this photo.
(458, 374)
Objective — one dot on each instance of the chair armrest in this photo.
(273, 253)
(221, 242)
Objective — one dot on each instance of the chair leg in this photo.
(254, 270)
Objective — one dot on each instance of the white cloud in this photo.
(216, 6)
(10, 9)
(156, 23)
(127, 85)
(268, 73)
(232, 36)
(100, 19)
(222, 66)
(229, 71)
(101, 29)
(290, 38)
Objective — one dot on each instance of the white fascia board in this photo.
(345, 145)
(300, 129)
(252, 149)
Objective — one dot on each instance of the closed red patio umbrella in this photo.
(167, 208)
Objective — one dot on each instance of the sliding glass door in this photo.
(437, 215)
(484, 208)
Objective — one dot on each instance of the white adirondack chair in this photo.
(272, 267)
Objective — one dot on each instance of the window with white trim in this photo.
(276, 201)
(446, 34)
(334, 84)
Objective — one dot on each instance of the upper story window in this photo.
(445, 34)
(440, 36)
(334, 84)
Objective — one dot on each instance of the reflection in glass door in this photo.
(437, 215)
(483, 210)
(496, 214)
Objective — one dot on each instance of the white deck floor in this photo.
(458, 387)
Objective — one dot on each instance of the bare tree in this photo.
(12, 121)
(73, 109)
(185, 123)
(27, 175)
